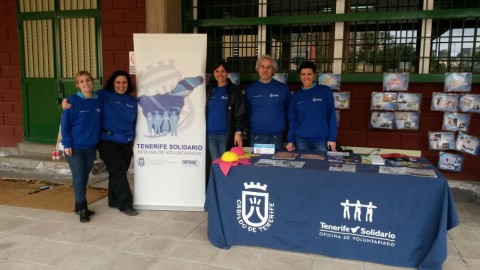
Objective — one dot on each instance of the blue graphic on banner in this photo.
(162, 110)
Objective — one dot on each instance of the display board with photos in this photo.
(467, 143)
(382, 119)
(446, 102)
(456, 105)
(330, 79)
(342, 100)
(469, 103)
(409, 101)
(450, 161)
(406, 120)
(441, 140)
(395, 81)
(458, 82)
(383, 101)
(456, 121)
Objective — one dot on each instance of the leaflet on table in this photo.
(340, 167)
(407, 171)
(335, 158)
(280, 163)
(284, 155)
(331, 153)
(313, 156)
(373, 160)
(264, 148)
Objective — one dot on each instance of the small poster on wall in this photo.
(456, 121)
(395, 81)
(234, 77)
(281, 77)
(381, 119)
(408, 101)
(383, 101)
(470, 103)
(458, 82)
(407, 120)
(329, 79)
(337, 116)
(342, 100)
(467, 144)
(442, 140)
(450, 161)
(446, 102)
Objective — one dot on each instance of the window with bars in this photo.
(362, 35)
(455, 4)
(455, 46)
(387, 46)
(67, 40)
(357, 6)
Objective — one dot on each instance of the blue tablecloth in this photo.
(388, 219)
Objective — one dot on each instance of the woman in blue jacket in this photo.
(116, 138)
(311, 115)
(80, 129)
(226, 112)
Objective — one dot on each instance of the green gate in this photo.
(58, 38)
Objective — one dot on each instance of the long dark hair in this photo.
(110, 84)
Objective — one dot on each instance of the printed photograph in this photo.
(441, 140)
(458, 82)
(467, 143)
(342, 100)
(456, 121)
(450, 162)
(329, 79)
(395, 81)
(446, 102)
(337, 115)
(470, 103)
(383, 101)
(281, 77)
(383, 120)
(234, 77)
(406, 120)
(409, 101)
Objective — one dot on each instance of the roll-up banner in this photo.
(169, 151)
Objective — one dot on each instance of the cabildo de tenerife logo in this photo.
(255, 212)
(362, 213)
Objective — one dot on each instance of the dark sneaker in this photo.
(84, 217)
(129, 212)
(90, 213)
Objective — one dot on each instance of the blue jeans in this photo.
(304, 145)
(81, 163)
(276, 139)
(216, 145)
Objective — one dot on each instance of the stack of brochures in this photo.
(407, 171)
(373, 160)
(280, 163)
(338, 167)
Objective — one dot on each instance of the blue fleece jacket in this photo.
(312, 115)
(81, 124)
(267, 104)
(216, 114)
(119, 116)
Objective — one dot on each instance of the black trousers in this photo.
(117, 157)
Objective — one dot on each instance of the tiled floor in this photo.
(39, 239)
